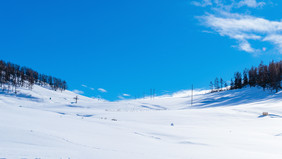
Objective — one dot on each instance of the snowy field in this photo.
(223, 125)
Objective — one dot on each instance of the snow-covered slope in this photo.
(223, 125)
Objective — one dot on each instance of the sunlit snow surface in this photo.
(224, 125)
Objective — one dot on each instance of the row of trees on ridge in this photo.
(265, 76)
(13, 76)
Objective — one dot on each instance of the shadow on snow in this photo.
(235, 97)
(21, 95)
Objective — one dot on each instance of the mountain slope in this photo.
(218, 125)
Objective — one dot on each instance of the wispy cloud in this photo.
(78, 91)
(245, 46)
(85, 86)
(229, 4)
(121, 97)
(244, 28)
(251, 3)
(275, 39)
(203, 3)
(126, 95)
(102, 90)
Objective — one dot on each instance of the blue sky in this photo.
(122, 49)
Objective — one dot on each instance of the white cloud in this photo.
(126, 95)
(78, 91)
(250, 3)
(245, 28)
(85, 86)
(102, 90)
(121, 97)
(228, 5)
(275, 39)
(204, 3)
(245, 46)
(228, 22)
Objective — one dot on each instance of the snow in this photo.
(218, 125)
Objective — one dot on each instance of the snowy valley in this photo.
(42, 123)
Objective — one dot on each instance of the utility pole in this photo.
(76, 98)
(192, 96)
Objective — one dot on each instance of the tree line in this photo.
(13, 76)
(265, 76)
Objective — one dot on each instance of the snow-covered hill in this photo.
(41, 123)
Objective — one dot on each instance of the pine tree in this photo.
(216, 84)
(253, 77)
(232, 85)
(245, 78)
(238, 80)
(262, 75)
(221, 83)
(211, 86)
(225, 85)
